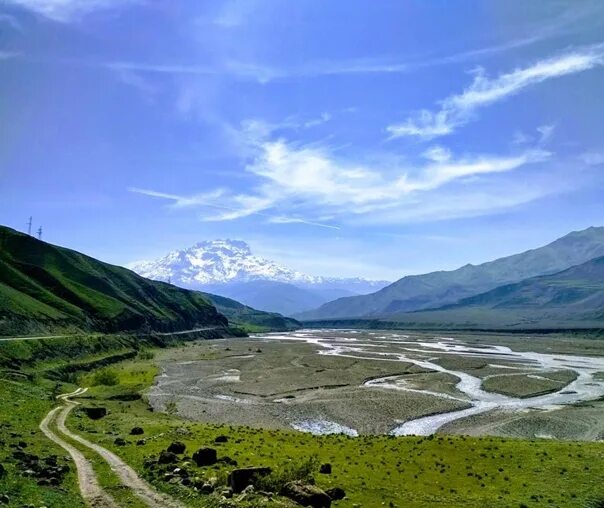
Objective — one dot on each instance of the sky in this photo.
(343, 138)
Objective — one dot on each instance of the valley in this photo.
(383, 382)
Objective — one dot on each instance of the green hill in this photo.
(436, 289)
(571, 298)
(48, 288)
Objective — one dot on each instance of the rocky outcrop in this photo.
(306, 495)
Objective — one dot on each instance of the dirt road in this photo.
(89, 486)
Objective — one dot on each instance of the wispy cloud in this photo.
(66, 10)
(300, 183)
(592, 158)
(457, 110)
(5, 55)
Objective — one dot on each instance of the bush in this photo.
(291, 472)
(105, 377)
(145, 354)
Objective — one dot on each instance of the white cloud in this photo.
(457, 110)
(5, 55)
(304, 183)
(65, 10)
(592, 158)
(437, 154)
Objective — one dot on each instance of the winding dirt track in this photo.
(89, 487)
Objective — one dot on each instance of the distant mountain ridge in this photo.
(44, 287)
(229, 268)
(571, 298)
(436, 289)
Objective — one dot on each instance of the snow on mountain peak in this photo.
(216, 262)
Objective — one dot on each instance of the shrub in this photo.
(303, 471)
(105, 377)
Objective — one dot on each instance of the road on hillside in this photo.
(87, 480)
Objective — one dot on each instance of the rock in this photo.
(119, 442)
(95, 413)
(228, 460)
(228, 493)
(167, 458)
(177, 447)
(336, 493)
(4, 499)
(239, 479)
(325, 469)
(205, 457)
(22, 444)
(137, 431)
(306, 495)
(206, 488)
(221, 439)
(141, 442)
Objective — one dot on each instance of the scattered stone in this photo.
(166, 457)
(95, 413)
(336, 493)
(119, 442)
(325, 469)
(221, 439)
(206, 488)
(228, 460)
(177, 447)
(141, 442)
(205, 457)
(227, 493)
(239, 479)
(306, 495)
(137, 431)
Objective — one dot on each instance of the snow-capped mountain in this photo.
(229, 268)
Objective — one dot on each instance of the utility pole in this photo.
(40, 233)
(29, 226)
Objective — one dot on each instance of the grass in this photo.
(373, 470)
(409, 471)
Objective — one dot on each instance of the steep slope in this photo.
(44, 287)
(573, 297)
(435, 289)
(229, 268)
(251, 319)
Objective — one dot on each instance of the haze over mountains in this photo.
(229, 268)
(437, 289)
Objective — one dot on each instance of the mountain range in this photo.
(48, 288)
(229, 268)
(572, 298)
(444, 288)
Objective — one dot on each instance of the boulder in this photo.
(177, 447)
(141, 442)
(325, 469)
(137, 431)
(239, 479)
(221, 439)
(167, 458)
(95, 413)
(205, 457)
(336, 493)
(119, 442)
(306, 495)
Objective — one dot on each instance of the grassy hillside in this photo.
(48, 288)
(435, 289)
(250, 319)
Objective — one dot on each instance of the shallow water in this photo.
(401, 349)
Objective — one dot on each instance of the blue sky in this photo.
(345, 138)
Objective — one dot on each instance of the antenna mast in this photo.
(40, 233)
(29, 225)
